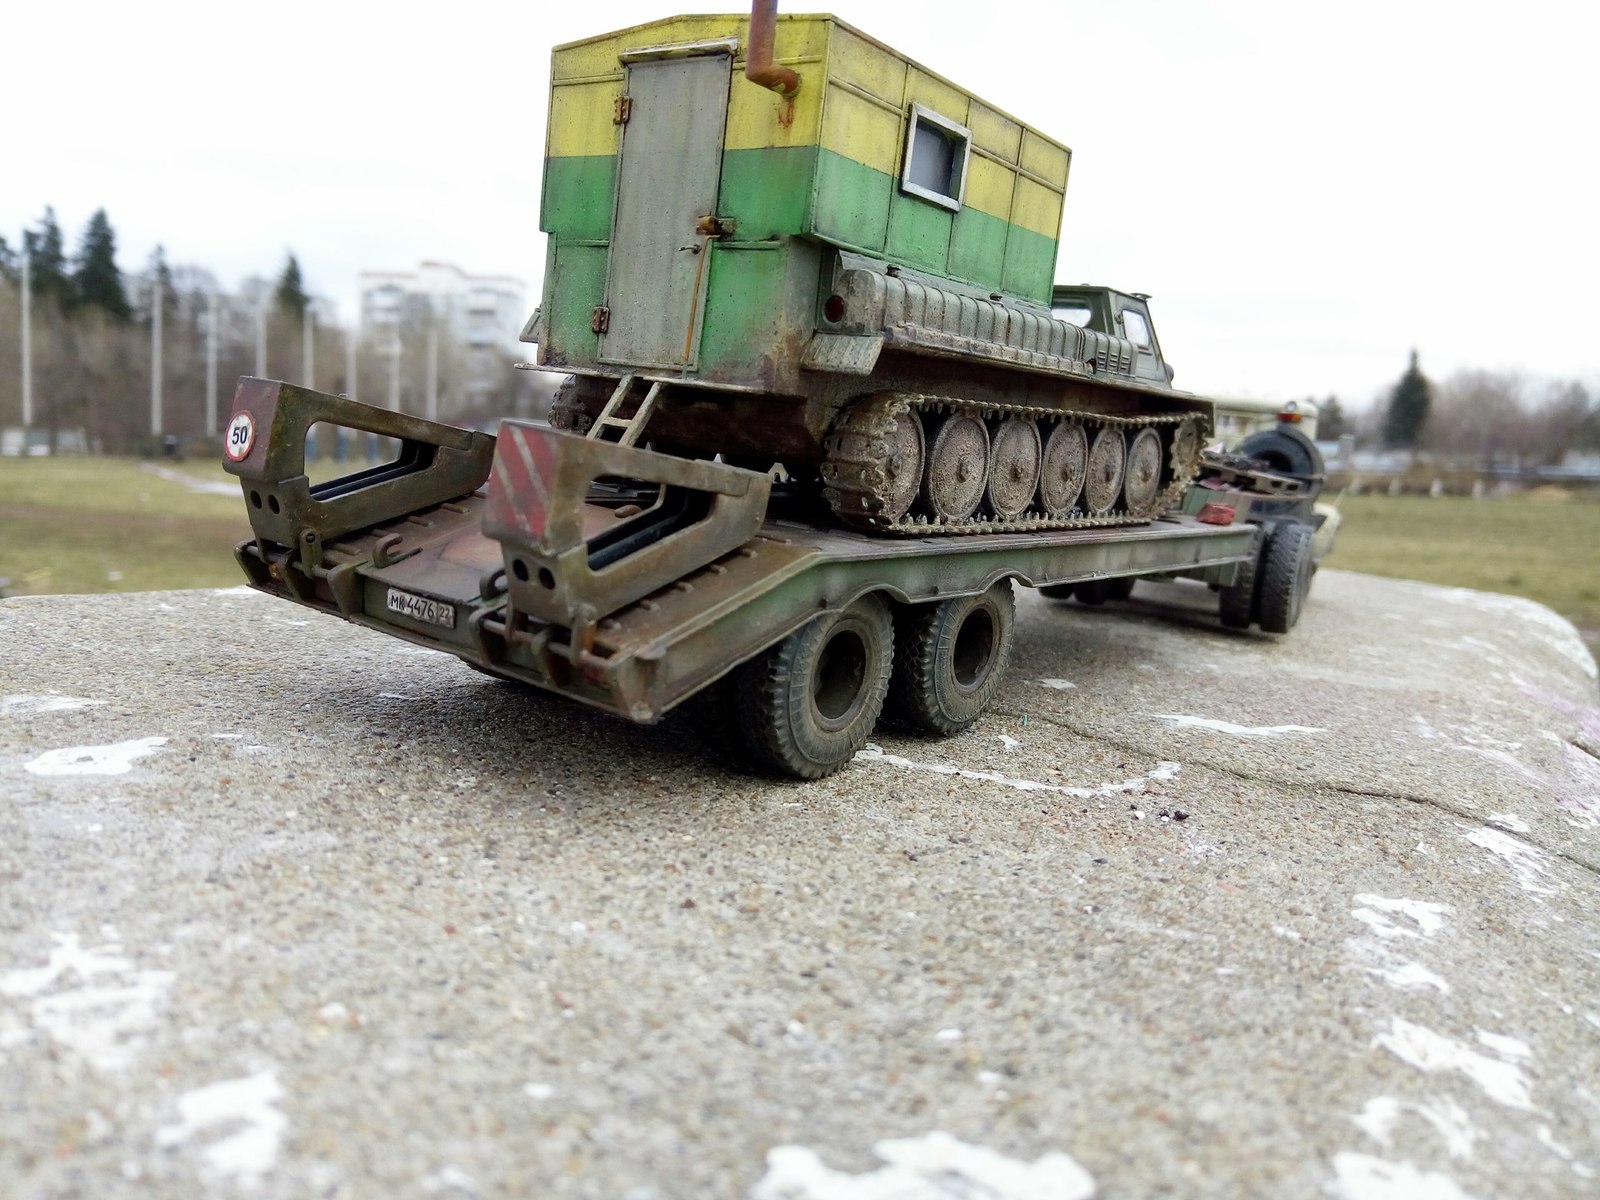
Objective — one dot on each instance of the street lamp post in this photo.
(27, 336)
(157, 303)
(213, 318)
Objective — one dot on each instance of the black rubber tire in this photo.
(1286, 572)
(1119, 588)
(1093, 592)
(1237, 602)
(809, 703)
(713, 713)
(1285, 450)
(1058, 591)
(950, 659)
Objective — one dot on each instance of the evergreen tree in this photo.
(47, 259)
(97, 282)
(1407, 412)
(291, 294)
(1331, 422)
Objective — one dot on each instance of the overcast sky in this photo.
(1308, 191)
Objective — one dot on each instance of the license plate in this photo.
(420, 608)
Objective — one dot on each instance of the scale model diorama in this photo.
(822, 406)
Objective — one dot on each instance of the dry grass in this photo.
(1544, 545)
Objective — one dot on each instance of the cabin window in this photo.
(1136, 329)
(1073, 312)
(937, 150)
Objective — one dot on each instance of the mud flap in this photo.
(569, 562)
(266, 448)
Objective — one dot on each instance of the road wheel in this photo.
(1108, 454)
(950, 658)
(1285, 576)
(957, 468)
(1237, 601)
(809, 703)
(1013, 468)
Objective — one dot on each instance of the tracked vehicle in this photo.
(779, 240)
(838, 264)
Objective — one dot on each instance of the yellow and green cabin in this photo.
(695, 218)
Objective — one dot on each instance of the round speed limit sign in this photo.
(241, 436)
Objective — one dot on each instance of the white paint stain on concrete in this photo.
(451, 1178)
(1547, 1140)
(1556, 632)
(1405, 975)
(1509, 822)
(237, 1120)
(873, 753)
(27, 706)
(1528, 863)
(1058, 685)
(933, 1167)
(1379, 912)
(1378, 1118)
(1182, 721)
(1380, 1115)
(1363, 1177)
(1006, 742)
(241, 590)
(115, 759)
(1430, 1052)
(93, 1000)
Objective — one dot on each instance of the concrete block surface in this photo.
(289, 908)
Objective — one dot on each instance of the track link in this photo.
(856, 481)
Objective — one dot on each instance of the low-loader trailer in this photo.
(633, 580)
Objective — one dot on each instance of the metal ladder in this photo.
(629, 428)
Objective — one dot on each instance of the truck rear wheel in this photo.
(809, 703)
(1286, 571)
(950, 658)
(1237, 602)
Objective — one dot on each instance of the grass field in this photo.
(105, 525)
(1543, 545)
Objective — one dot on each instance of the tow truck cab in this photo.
(1120, 314)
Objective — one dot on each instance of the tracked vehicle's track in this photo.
(859, 485)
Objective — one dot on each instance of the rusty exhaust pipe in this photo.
(759, 66)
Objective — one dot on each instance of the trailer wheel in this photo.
(950, 658)
(1237, 602)
(1285, 576)
(808, 704)
(1058, 591)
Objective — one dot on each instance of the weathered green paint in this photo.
(574, 284)
(1030, 264)
(768, 192)
(919, 234)
(851, 208)
(977, 243)
(578, 195)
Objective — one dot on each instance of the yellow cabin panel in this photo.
(989, 186)
(864, 64)
(1045, 159)
(994, 132)
(863, 131)
(932, 92)
(1036, 207)
(581, 118)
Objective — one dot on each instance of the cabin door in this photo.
(669, 167)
